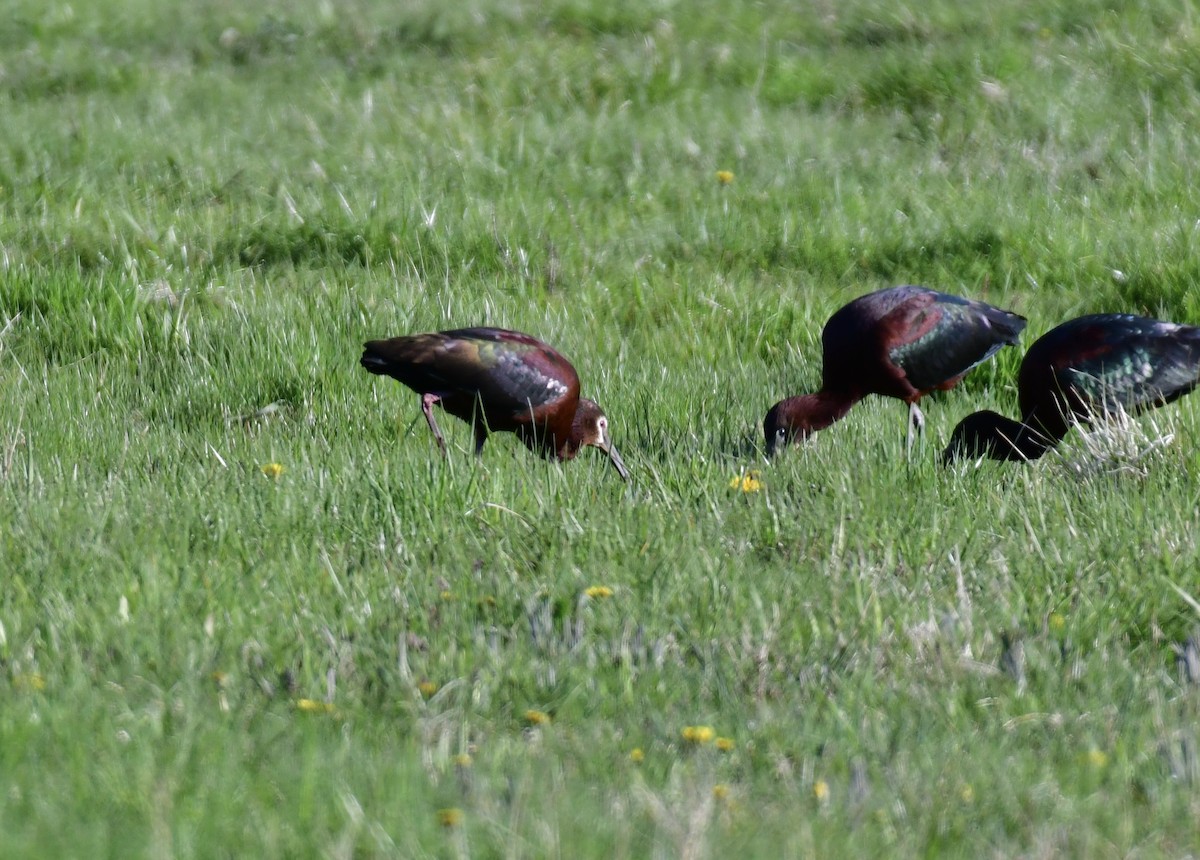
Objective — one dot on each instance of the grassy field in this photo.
(207, 207)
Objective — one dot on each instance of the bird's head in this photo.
(590, 427)
(989, 434)
(778, 429)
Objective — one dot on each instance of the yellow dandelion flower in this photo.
(32, 681)
(698, 734)
(821, 790)
(451, 817)
(537, 718)
(1057, 622)
(720, 791)
(747, 482)
(967, 793)
(447, 595)
(1097, 758)
(427, 688)
(273, 470)
(724, 176)
(597, 592)
(314, 706)
(636, 755)
(463, 760)
(726, 744)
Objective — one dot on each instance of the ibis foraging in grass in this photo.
(1078, 372)
(498, 381)
(901, 342)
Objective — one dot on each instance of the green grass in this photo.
(206, 208)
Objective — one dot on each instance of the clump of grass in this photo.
(1116, 442)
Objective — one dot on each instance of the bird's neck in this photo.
(578, 436)
(809, 413)
(550, 445)
(568, 449)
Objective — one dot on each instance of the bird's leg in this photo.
(916, 424)
(427, 401)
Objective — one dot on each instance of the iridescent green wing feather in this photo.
(509, 370)
(944, 336)
(1126, 360)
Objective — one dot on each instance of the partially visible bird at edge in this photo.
(1079, 372)
(497, 381)
(900, 342)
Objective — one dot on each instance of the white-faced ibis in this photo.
(1079, 371)
(901, 342)
(497, 380)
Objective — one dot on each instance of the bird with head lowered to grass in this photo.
(1078, 372)
(497, 381)
(900, 342)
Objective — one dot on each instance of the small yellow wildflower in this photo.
(747, 482)
(1057, 622)
(726, 744)
(720, 791)
(447, 595)
(967, 793)
(537, 718)
(724, 176)
(636, 755)
(451, 817)
(273, 470)
(821, 790)
(596, 592)
(313, 706)
(427, 688)
(463, 760)
(32, 681)
(1097, 758)
(698, 734)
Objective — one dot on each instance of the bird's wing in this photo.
(1132, 361)
(508, 371)
(937, 339)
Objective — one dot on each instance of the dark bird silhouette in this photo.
(498, 381)
(1081, 370)
(901, 342)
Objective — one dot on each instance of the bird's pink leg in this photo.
(916, 424)
(427, 401)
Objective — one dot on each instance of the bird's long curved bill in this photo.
(617, 462)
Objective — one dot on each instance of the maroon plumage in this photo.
(1078, 371)
(901, 342)
(498, 381)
